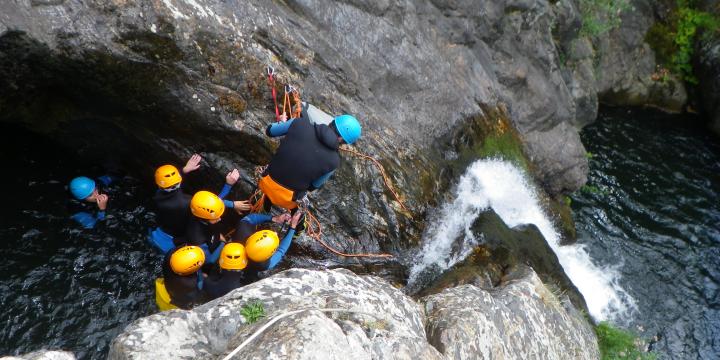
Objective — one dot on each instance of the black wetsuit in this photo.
(199, 232)
(307, 153)
(173, 211)
(222, 282)
(184, 290)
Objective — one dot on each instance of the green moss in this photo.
(601, 16)
(620, 344)
(674, 39)
(505, 146)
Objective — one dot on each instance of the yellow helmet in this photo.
(232, 257)
(167, 176)
(207, 205)
(261, 245)
(187, 260)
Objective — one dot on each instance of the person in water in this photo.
(229, 274)
(183, 279)
(86, 191)
(306, 158)
(204, 229)
(173, 204)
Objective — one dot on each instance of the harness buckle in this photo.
(290, 89)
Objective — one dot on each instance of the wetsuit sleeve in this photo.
(106, 179)
(319, 182)
(229, 204)
(281, 250)
(278, 128)
(257, 219)
(211, 257)
(225, 191)
(86, 220)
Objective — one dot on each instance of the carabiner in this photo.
(270, 71)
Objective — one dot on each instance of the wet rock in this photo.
(388, 325)
(626, 64)
(502, 250)
(391, 325)
(709, 77)
(520, 319)
(42, 355)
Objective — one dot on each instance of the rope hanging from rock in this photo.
(290, 313)
(271, 83)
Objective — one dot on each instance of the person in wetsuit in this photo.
(203, 228)
(173, 205)
(264, 249)
(86, 191)
(182, 276)
(306, 158)
(229, 274)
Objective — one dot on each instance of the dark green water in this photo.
(652, 209)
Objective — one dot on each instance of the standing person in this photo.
(173, 204)
(86, 191)
(306, 158)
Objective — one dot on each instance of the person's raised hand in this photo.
(283, 117)
(242, 206)
(282, 218)
(296, 219)
(102, 200)
(192, 164)
(232, 177)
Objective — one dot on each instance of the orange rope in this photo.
(313, 230)
(388, 184)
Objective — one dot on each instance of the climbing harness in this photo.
(290, 313)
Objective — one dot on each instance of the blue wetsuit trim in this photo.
(278, 128)
(87, 220)
(225, 191)
(229, 204)
(319, 182)
(281, 250)
(257, 219)
(212, 257)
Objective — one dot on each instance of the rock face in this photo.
(520, 320)
(393, 325)
(501, 250)
(42, 355)
(389, 324)
(709, 76)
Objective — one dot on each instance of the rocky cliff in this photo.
(519, 319)
(173, 77)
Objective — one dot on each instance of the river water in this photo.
(651, 212)
(647, 258)
(64, 287)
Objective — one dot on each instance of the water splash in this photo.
(503, 187)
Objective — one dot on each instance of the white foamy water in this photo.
(501, 186)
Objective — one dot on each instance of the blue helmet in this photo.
(81, 187)
(348, 127)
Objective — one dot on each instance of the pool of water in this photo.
(64, 287)
(651, 212)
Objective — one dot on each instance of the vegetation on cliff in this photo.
(674, 39)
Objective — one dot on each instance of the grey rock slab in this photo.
(42, 355)
(214, 329)
(521, 319)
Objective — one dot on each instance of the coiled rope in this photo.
(290, 313)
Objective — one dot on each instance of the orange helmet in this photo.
(187, 260)
(232, 257)
(261, 245)
(167, 176)
(206, 205)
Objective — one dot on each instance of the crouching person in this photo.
(229, 274)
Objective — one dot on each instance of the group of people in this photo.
(201, 263)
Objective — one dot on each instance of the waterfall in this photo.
(503, 187)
